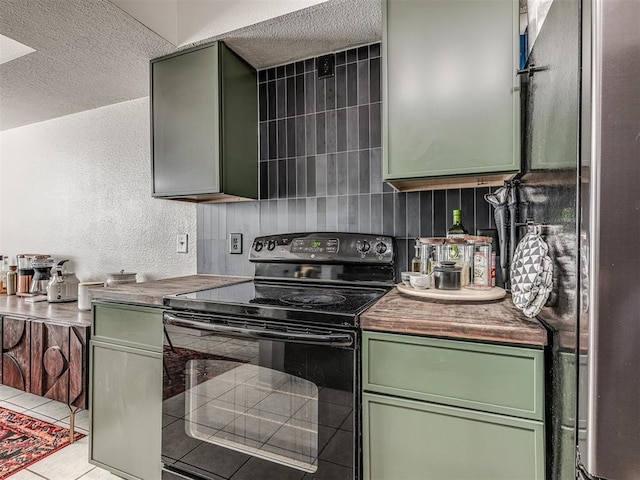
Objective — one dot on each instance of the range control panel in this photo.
(323, 247)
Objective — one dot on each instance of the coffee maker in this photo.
(41, 265)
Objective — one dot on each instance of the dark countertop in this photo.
(496, 321)
(145, 293)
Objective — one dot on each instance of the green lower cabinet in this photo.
(126, 393)
(413, 440)
(436, 409)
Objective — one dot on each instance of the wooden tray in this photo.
(462, 295)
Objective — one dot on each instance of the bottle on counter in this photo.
(12, 280)
(4, 269)
(496, 274)
(457, 230)
(415, 261)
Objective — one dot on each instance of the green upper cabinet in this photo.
(451, 93)
(204, 126)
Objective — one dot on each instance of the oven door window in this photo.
(239, 407)
(254, 410)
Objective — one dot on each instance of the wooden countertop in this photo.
(497, 321)
(63, 313)
(151, 293)
(145, 293)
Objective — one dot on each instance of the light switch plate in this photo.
(182, 243)
(235, 243)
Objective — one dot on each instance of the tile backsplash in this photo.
(321, 168)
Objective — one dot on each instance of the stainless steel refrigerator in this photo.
(609, 324)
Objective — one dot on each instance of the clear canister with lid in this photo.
(458, 252)
(429, 254)
(481, 270)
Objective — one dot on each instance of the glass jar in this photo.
(481, 271)
(459, 252)
(429, 254)
(25, 273)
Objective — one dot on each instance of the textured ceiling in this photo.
(89, 53)
(322, 28)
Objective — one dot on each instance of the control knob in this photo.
(364, 247)
(381, 248)
(258, 246)
(271, 244)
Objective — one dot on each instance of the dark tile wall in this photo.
(321, 168)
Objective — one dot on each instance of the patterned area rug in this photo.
(24, 440)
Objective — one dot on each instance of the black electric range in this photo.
(317, 278)
(262, 378)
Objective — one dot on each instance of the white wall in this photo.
(79, 187)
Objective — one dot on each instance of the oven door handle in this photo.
(330, 339)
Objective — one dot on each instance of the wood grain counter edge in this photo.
(497, 322)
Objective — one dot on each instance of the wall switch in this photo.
(235, 243)
(182, 243)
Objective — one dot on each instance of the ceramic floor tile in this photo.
(40, 416)
(70, 462)
(65, 424)
(12, 407)
(8, 392)
(28, 400)
(53, 409)
(82, 419)
(25, 475)
(98, 474)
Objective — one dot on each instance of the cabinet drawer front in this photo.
(490, 378)
(409, 440)
(128, 325)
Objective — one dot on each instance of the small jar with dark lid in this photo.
(448, 276)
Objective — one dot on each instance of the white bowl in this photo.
(406, 276)
(420, 281)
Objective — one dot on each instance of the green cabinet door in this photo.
(126, 410)
(451, 95)
(412, 440)
(204, 125)
(125, 390)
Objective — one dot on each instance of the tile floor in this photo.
(68, 463)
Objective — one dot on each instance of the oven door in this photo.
(246, 399)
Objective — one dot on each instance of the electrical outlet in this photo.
(235, 243)
(182, 243)
(326, 66)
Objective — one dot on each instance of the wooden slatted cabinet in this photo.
(45, 358)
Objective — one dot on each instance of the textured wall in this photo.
(78, 187)
(321, 168)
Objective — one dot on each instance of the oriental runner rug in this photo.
(24, 440)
